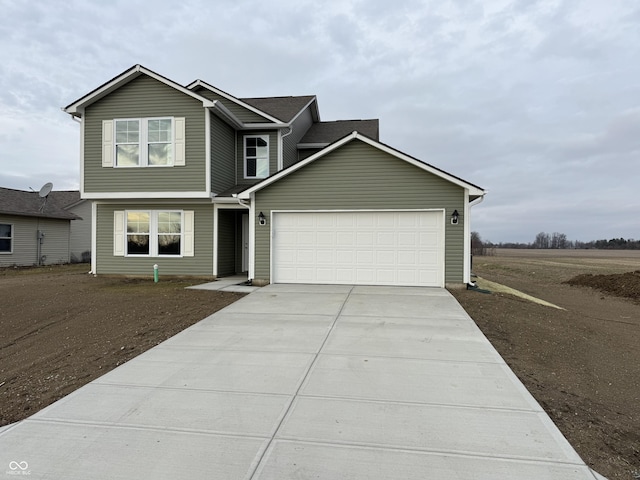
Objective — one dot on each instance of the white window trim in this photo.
(153, 233)
(244, 156)
(10, 238)
(144, 142)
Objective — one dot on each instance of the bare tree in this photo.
(543, 240)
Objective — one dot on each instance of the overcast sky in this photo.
(538, 102)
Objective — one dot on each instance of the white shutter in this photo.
(118, 234)
(107, 143)
(187, 237)
(179, 125)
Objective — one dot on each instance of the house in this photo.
(203, 183)
(80, 233)
(36, 230)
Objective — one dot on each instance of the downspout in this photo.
(477, 201)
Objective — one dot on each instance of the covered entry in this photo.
(358, 247)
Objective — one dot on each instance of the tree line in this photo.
(553, 240)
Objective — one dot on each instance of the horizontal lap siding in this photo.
(140, 98)
(23, 243)
(201, 264)
(223, 155)
(290, 142)
(80, 241)
(358, 176)
(25, 246)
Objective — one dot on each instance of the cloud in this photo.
(535, 101)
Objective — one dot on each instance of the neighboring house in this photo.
(34, 230)
(80, 235)
(203, 183)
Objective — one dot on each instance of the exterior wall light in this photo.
(454, 217)
(262, 220)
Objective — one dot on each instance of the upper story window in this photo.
(143, 142)
(256, 156)
(6, 238)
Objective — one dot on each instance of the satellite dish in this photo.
(45, 190)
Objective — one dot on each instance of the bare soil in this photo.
(582, 364)
(61, 328)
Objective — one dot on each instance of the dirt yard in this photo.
(60, 328)
(583, 363)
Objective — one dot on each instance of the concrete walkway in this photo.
(297, 381)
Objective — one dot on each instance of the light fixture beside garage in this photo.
(262, 220)
(454, 217)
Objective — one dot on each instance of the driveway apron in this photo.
(304, 381)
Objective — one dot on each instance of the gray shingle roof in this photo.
(329, 132)
(29, 204)
(283, 108)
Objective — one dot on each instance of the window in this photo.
(144, 142)
(256, 156)
(154, 233)
(6, 238)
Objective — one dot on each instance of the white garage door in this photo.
(359, 248)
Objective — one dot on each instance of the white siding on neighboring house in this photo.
(80, 238)
(55, 245)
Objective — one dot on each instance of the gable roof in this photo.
(284, 109)
(30, 204)
(322, 134)
(125, 77)
(202, 84)
(474, 190)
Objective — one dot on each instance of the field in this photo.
(581, 363)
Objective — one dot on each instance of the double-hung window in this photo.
(154, 233)
(6, 238)
(256, 156)
(144, 142)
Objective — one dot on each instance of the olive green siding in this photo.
(273, 155)
(201, 264)
(223, 155)
(358, 176)
(243, 114)
(140, 98)
(290, 142)
(55, 245)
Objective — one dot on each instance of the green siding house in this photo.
(202, 183)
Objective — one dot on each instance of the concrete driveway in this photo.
(299, 381)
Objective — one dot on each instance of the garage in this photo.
(358, 247)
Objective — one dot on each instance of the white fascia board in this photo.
(225, 200)
(200, 83)
(123, 78)
(246, 194)
(473, 190)
(142, 195)
(264, 126)
(303, 146)
(226, 114)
